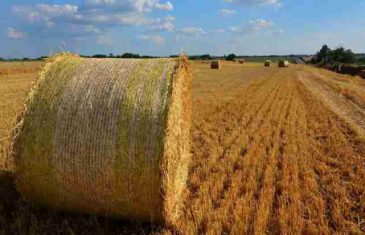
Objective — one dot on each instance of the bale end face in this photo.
(107, 137)
(284, 63)
(216, 64)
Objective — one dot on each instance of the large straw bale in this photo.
(241, 61)
(108, 137)
(283, 63)
(215, 64)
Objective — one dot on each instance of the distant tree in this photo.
(111, 55)
(205, 57)
(99, 56)
(231, 57)
(200, 57)
(42, 58)
(342, 55)
(361, 60)
(130, 55)
(1, 59)
(323, 56)
(174, 56)
(148, 57)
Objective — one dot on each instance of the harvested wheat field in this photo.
(275, 151)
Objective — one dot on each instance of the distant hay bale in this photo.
(350, 69)
(283, 63)
(241, 61)
(108, 137)
(362, 74)
(216, 64)
(267, 63)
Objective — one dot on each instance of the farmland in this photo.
(274, 150)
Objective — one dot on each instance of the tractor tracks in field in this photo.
(351, 112)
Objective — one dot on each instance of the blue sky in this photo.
(30, 28)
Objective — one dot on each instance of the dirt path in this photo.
(353, 113)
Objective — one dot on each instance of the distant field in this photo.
(262, 59)
(274, 150)
(16, 79)
(7, 68)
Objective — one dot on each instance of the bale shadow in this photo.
(20, 217)
(8, 193)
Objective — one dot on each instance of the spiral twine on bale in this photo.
(107, 136)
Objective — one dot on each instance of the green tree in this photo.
(231, 57)
(324, 55)
(130, 55)
(343, 56)
(205, 57)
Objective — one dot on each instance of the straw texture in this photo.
(107, 136)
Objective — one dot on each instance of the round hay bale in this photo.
(241, 61)
(362, 74)
(215, 64)
(283, 63)
(267, 63)
(107, 137)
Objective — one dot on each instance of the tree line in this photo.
(339, 55)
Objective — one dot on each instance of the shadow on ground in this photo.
(19, 217)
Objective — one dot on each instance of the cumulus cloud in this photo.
(165, 24)
(276, 3)
(94, 16)
(191, 31)
(42, 13)
(128, 5)
(227, 12)
(165, 6)
(155, 39)
(15, 34)
(253, 27)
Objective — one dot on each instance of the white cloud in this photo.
(104, 40)
(165, 6)
(128, 5)
(191, 31)
(276, 3)
(43, 13)
(227, 12)
(15, 34)
(155, 39)
(253, 27)
(165, 24)
(94, 16)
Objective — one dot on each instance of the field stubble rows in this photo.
(267, 157)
